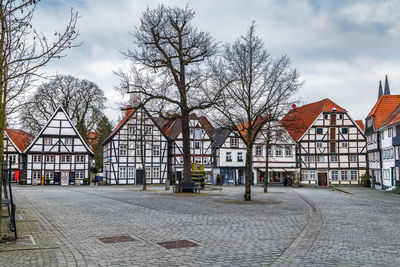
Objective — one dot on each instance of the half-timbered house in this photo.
(281, 154)
(229, 156)
(136, 148)
(15, 143)
(200, 143)
(378, 140)
(58, 153)
(331, 146)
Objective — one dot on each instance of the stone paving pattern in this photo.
(310, 227)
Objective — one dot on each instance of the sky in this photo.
(341, 48)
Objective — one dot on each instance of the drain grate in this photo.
(116, 239)
(26, 240)
(177, 244)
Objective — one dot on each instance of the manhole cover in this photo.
(177, 244)
(116, 239)
(26, 240)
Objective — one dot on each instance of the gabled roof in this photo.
(298, 120)
(243, 128)
(19, 138)
(360, 124)
(174, 127)
(383, 108)
(393, 117)
(219, 135)
(129, 113)
(59, 109)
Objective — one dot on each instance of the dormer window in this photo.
(234, 142)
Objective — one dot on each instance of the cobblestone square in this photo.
(295, 227)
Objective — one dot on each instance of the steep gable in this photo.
(299, 119)
(61, 126)
(383, 109)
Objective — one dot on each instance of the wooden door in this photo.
(333, 133)
(333, 119)
(322, 179)
(64, 178)
(139, 176)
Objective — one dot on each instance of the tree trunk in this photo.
(248, 170)
(266, 168)
(187, 161)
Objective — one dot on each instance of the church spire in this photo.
(380, 92)
(387, 89)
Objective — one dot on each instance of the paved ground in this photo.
(296, 227)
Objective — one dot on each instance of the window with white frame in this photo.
(354, 175)
(305, 175)
(122, 172)
(311, 159)
(240, 156)
(131, 172)
(131, 130)
(49, 175)
(278, 151)
(148, 172)
(344, 144)
(389, 132)
(148, 130)
(123, 150)
(36, 175)
(156, 172)
(345, 130)
(258, 150)
(196, 144)
(343, 175)
(49, 158)
(234, 142)
(36, 158)
(68, 141)
(269, 151)
(383, 135)
(228, 156)
(334, 158)
(335, 175)
(47, 141)
(65, 158)
(80, 158)
(312, 175)
(197, 160)
(394, 131)
(79, 175)
(288, 151)
(320, 158)
(396, 152)
(305, 159)
(352, 158)
(156, 150)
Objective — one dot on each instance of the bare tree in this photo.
(23, 50)
(169, 68)
(83, 101)
(261, 90)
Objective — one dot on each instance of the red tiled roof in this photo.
(243, 128)
(127, 116)
(174, 127)
(298, 120)
(360, 124)
(385, 105)
(20, 138)
(393, 117)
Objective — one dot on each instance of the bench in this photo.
(186, 186)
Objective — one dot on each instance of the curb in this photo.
(341, 190)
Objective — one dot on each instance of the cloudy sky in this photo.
(341, 48)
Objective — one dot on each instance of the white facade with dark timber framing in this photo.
(200, 143)
(59, 153)
(122, 160)
(281, 154)
(331, 145)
